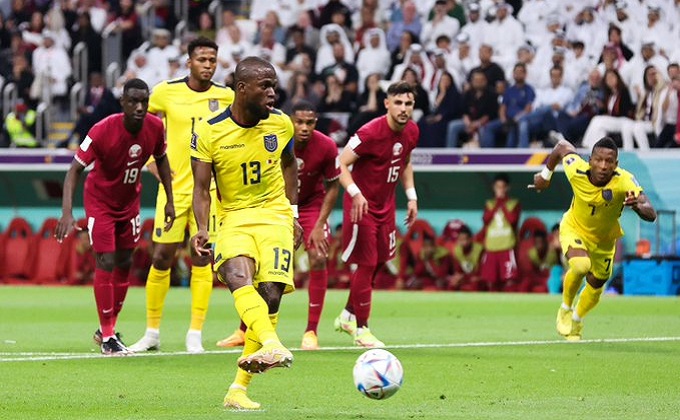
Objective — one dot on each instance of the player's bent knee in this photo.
(580, 265)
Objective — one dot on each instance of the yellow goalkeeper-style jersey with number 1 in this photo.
(595, 211)
(182, 109)
(247, 166)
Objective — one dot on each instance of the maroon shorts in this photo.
(307, 219)
(499, 266)
(111, 232)
(368, 243)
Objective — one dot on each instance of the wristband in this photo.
(411, 194)
(353, 190)
(295, 211)
(546, 173)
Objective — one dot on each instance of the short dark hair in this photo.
(245, 69)
(303, 105)
(397, 88)
(134, 84)
(201, 41)
(464, 230)
(606, 143)
(502, 177)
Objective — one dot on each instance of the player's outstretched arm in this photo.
(359, 202)
(408, 181)
(66, 222)
(542, 179)
(165, 175)
(641, 205)
(290, 177)
(202, 171)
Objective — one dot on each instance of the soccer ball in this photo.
(378, 374)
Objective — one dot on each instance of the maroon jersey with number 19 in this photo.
(114, 183)
(382, 156)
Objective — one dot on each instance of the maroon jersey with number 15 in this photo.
(383, 154)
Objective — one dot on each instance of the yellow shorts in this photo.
(184, 216)
(271, 246)
(601, 254)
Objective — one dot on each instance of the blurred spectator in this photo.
(97, 13)
(269, 46)
(431, 85)
(648, 114)
(480, 106)
(85, 263)
(441, 24)
(206, 25)
(628, 27)
(461, 62)
(615, 42)
(417, 60)
(83, 31)
(52, 67)
(589, 28)
(299, 88)
(549, 102)
(409, 22)
(504, 34)
(658, 31)
(541, 256)
(56, 24)
(371, 104)
(670, 110)
(611, 59)
(5, 34)
(467, 256)
(398, 55)
(535, 15)
(330, 35)
(501, 215)
(228, 55)
(138, 67)
(475, 28)
(161, 51)
(21, 12)
(271, 19)
(99, 103)
(573, 120)
(32, 31)
(374, 57)
(453, 9)
(495, 76)
(312, 34)
(366, 24)
(22, 77)
(336, 99)
(332, 7)
(297, 47)
(447, 107)
(517, 101)
(633, 71)
(127, 22)
(346, 72)
(433, 267)
(20, 126)
(618, 108)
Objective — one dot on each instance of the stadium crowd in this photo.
(489, 73)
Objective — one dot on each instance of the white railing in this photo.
(43, 121)
(10, 96)
(76, 99)
(182, 9)
(80, 61)
(215, 10)
(147, 14)
(180, 30)
(111, 46)
(112, 75)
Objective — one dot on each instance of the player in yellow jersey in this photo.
(183, 103)
(249, 148)
(590, 228)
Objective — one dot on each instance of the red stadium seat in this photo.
(69, 266)
(51, 258)
(15, 251)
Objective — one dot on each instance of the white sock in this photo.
(152, 332)
(565, 307)
(347, 316)
(575, 317)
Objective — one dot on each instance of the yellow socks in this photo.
(201, 289)
(253, 310)
(157, 285)
(250, 346)
(578, 268)
(587, 301)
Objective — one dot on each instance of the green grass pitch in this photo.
(465, 356)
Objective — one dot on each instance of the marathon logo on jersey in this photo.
(135, 151)
(397, 149)
(271, 142)
(213, 104)
(607, 194)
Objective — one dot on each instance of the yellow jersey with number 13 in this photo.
(183, 108)
(595, 211)
(246, 165)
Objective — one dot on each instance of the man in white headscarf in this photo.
(374, 58)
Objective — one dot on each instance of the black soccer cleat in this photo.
(97, 337)
(113, 347)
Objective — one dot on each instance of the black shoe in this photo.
(97, 337)
(113, 346)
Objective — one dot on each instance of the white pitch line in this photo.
(42, 357)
